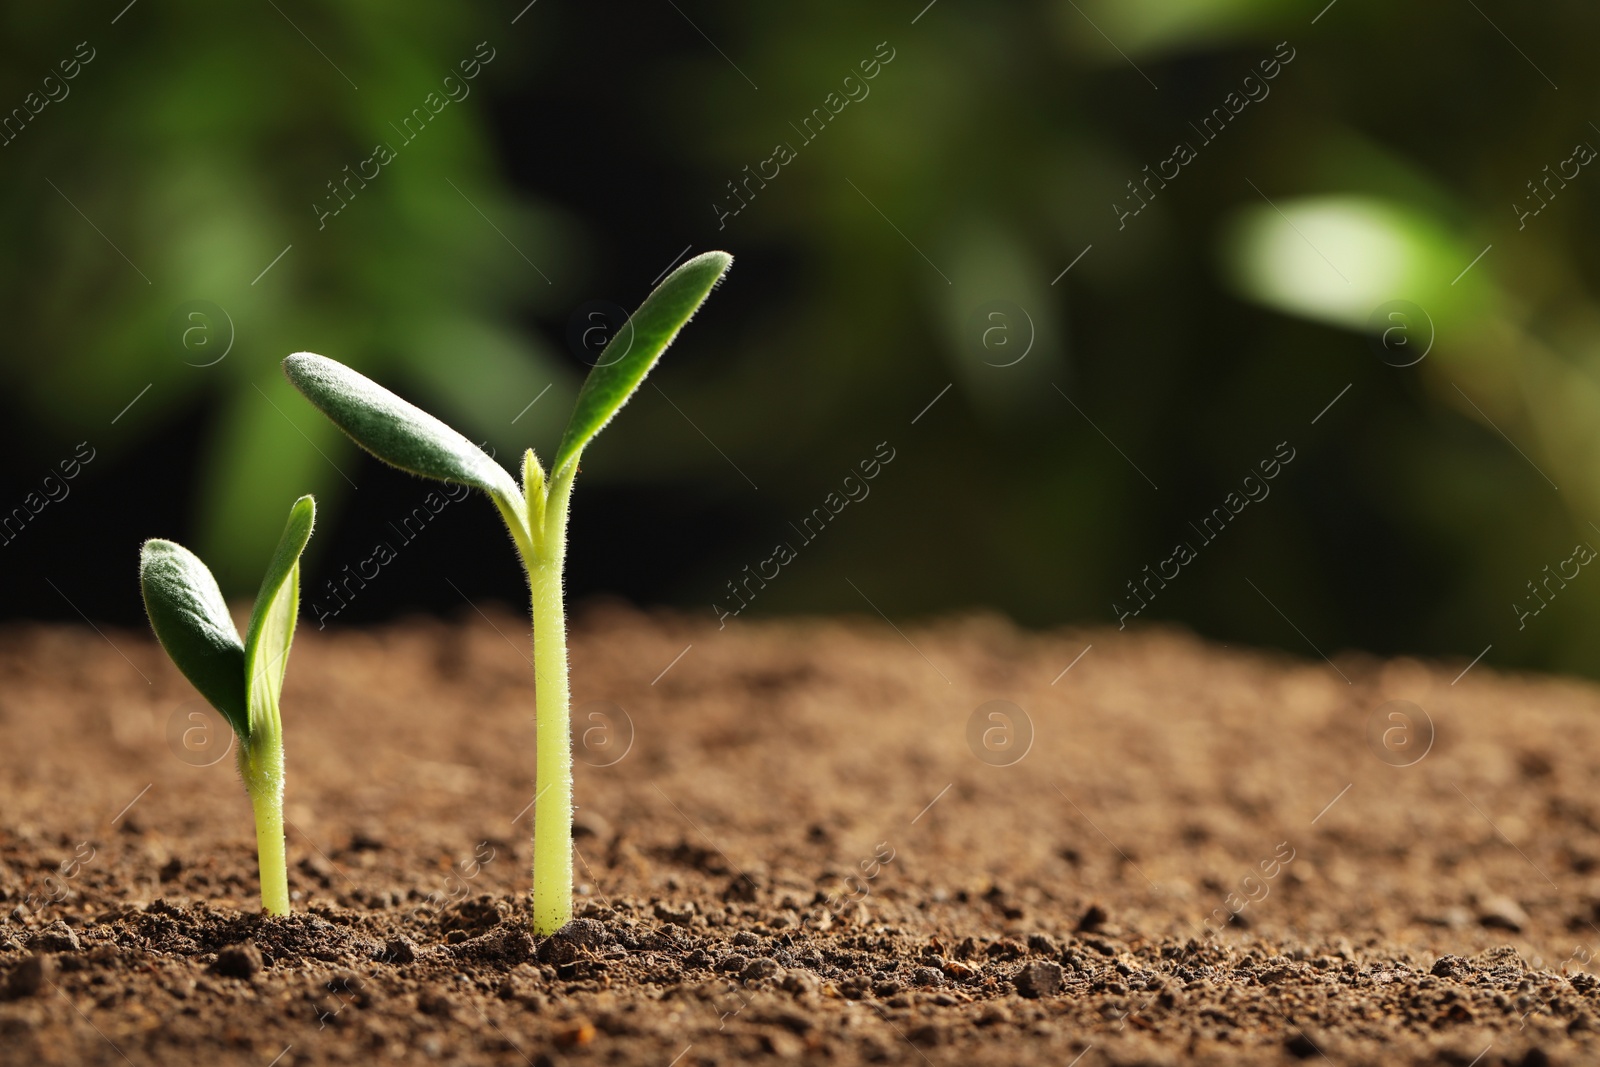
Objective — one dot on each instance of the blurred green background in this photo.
(1339, 158)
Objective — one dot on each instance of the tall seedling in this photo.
(241, 679)
(536, 515)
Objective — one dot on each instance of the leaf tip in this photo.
(722, 261)
(155, 550)
(305, 369)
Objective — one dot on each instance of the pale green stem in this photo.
(552, 827)
(261, 766)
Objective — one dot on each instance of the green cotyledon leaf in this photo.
(635, 349)
(192, 623)
(395, 430)
(266, 646)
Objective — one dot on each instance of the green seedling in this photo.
(536, 515)
(241, 679)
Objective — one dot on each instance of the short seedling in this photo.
(242, 680)
(536, 515)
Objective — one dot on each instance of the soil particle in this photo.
(1038, 978)
(28, 977)
(238, 961)
(575, 1035)
(1093, 917)
(801, 983)
(677, 915)
(1302, 1047)
(399, 950)
(759, 970)
(363, 839)
(579, 937)
(1502, 913)
(1451, 967)
(57, 937)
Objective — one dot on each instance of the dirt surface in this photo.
(797, 854)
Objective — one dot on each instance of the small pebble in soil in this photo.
(400, 950)
(1043, 945)
(579, 938)
(1003, 950)
(926, 976)
(365, 840)
(1302, 1047)
(1038, 978)
(1502, 913)
(782, 1045)
(801, 982)
(1093, 917)
(238, 961)
(575, 1035)
(57, 937)
(1274, 975)
(761, 968)
(741, 889)
(676, 914)
(28, 977)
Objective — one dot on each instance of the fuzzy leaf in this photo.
(396, 431)
(635, 349)
(266, 646)
(192, 623)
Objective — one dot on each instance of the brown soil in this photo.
(1073, 904)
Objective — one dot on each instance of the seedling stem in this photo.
(241, 677)
(535, 515)
(552, 852)
(261, 767)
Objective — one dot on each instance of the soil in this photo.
(815, 843)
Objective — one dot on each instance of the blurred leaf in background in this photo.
(223, 185)
(991, 153)
(954, 180)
